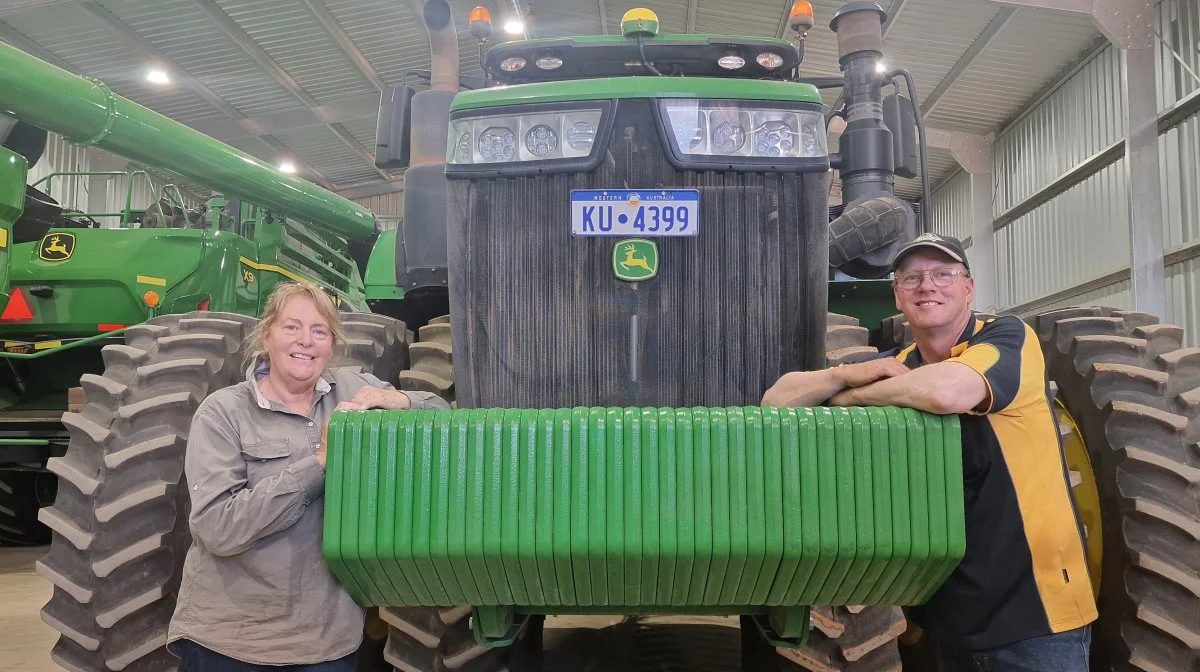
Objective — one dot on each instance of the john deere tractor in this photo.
(73, 281)
(638, 243)
(637, 231)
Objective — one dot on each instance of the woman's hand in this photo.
(376, 397)
(366, 398)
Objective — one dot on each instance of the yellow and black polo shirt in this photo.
(1025, 570)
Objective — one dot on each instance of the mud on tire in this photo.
(119, 524)
(1134, 392)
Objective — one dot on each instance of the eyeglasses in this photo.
(942, 277)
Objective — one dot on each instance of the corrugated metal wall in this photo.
(951, 211)
(1082, 117)
(61, 156)
(385, 206)
(388, 208)
(1179, 161)
(118, 187)
(1179, 27)
(1117, 296)
(94, 194)
(1080, 238)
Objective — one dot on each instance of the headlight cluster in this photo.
(727, 128)
(513, 138)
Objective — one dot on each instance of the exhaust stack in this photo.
(874, 221)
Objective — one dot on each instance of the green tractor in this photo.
(637, 223)
(637, 243)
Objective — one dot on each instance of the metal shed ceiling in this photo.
(299, 79)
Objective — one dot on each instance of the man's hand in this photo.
(846, 397)
(865, 373)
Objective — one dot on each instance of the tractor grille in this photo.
(540, 321)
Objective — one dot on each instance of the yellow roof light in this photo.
(639, 21)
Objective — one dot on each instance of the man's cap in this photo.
(951, 247)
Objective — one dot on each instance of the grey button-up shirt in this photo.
(255, 585)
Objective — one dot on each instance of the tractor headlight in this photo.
(521, 138)
(726, 129)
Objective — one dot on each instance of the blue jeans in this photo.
(197, 658)
(1062, 652)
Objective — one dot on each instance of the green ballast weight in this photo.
(627, 510)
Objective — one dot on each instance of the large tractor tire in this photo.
(843, 638)
(119, 525)
(22, 493)
(432, 360)
(1132, 393)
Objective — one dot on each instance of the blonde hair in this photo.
(280, 296)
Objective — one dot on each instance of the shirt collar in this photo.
(912, 354)
(972, 328)
(259, 370)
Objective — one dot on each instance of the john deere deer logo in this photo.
(57, 246)
(635, 259)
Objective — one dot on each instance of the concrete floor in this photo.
(24, 639)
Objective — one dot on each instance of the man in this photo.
(1021, 599)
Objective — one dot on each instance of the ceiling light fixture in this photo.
(157, 76)
(287, 167)
(514, 27)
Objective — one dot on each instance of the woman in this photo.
(255, 590)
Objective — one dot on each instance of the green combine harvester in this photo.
(638, 243)
(73, 286)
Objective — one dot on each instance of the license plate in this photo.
(659, 212)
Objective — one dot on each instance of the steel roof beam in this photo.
(985, 38)
(341, 110)
(781, 31)
(18, 39)
(186, 79)
(247, 44)
(893, 13)
(139, 43)
(308, 171)
(1077, 6)
(338, 111)
(344, 135)
(1125, 23)
(268, 64)
(365, 190)
(347, 45)
(603, 16)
